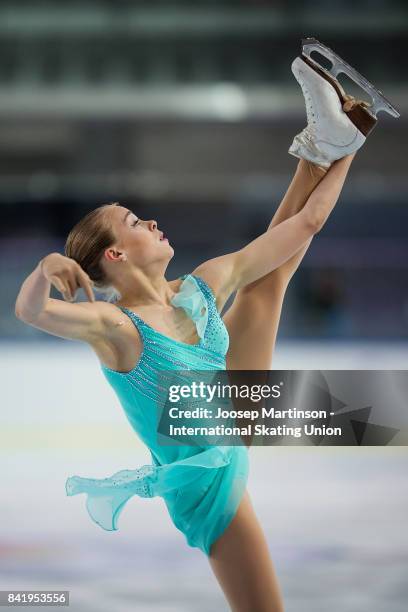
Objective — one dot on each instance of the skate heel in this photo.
(361, 118)
(359, 115)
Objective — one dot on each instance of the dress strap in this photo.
(140, 325)
(205, 287)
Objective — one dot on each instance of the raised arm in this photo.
(230, 272)
(58, 317)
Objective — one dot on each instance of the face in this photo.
(138, 240)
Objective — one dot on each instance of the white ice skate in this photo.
(332, 132)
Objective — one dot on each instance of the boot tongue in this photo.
(304, 146)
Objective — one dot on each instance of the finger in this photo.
(72, 286)
(86, 284)
(349, 102)
(347, 106)
(66, 290)
(58, 284)
(66, 293)
(67, 296)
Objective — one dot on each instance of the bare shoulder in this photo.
(106, 312)
(119, 347)
(114, 320)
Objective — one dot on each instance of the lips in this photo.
(163, 237)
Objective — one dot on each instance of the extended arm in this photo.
(230, 272)
(58, 317)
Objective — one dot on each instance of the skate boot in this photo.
(337, 124)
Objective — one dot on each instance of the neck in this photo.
(140, 289)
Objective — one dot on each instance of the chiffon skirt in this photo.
(202, 492)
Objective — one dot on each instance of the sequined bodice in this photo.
(198, 300)
(138, 389)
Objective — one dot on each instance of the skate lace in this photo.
(309, 112)
(307, 138)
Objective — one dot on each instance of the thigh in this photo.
(242, 564)
(252, 323)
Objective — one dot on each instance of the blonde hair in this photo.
(86, 243)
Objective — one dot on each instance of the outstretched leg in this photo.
(253, 318)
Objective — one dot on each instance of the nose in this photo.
(153, 224)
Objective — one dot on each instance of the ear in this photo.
(113, 254)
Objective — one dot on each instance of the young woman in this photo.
(158, 324)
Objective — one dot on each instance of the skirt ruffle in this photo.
(107, 497)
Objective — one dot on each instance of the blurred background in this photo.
(184, 112)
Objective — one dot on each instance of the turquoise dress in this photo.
(202, 486)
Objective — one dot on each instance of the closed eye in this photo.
(135, 222)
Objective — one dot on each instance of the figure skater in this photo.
(174, 325)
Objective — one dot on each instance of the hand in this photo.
(67, 276)
(351, 102)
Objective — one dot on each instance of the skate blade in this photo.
(379, 101)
